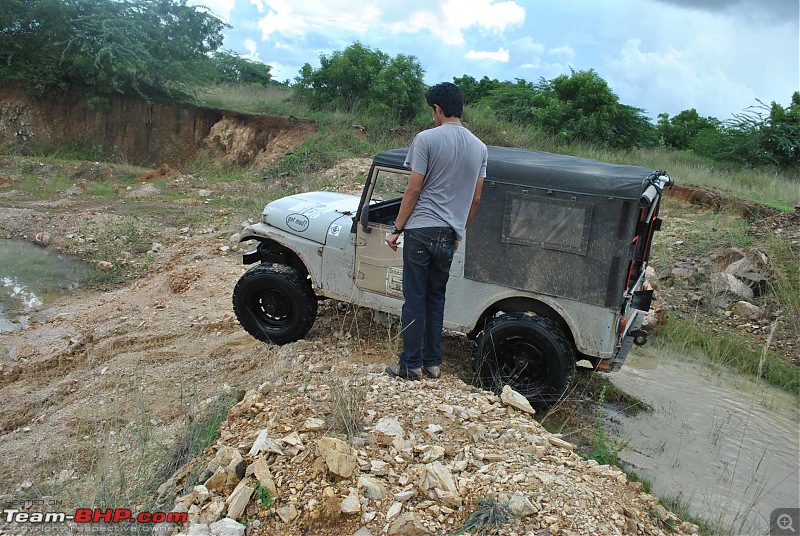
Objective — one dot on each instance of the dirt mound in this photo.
(143, 133)
(717, 200)
(246, 140)
(430, 453)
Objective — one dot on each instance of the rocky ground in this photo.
(426, 457)
(98, 391)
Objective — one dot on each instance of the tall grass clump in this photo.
(255, 99)
(347, 400)
(732, 350)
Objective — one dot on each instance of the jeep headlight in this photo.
(264, 217)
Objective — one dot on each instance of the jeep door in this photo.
(378, 269)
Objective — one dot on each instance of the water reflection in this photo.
(725, 443)
(31, 277)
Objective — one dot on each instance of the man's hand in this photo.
(455, 247)
(391, 240)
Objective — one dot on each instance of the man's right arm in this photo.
(476, 199)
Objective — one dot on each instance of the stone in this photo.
(213, 510)
(435, 475)
(432, 454)
(558, 442)
(227, 527)
(338, 456)
(200, 494)
(403, 496)
(351, 504)
(319, 367)
(379, 468)
(237, 501)
(205, 193)
(449, 498)
(287, 513)
(394, 510)
(658, 315)
(264, 476)
(683, 272)
(264, 443)
(216, 482)
(363, 531)
(43, 239)
(390, 427)
(312, 424)
(729, 283)
(292, 439)
(747, 310)
(371, 487)
(433, 429)
(199, 529)
(520, 506)
(512, 398)
(408, 524)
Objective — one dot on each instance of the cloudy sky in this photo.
(717, 56)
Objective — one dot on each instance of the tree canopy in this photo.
(578, 107)
(360, 76)
(150, 48)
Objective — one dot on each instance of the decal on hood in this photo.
(297, 222)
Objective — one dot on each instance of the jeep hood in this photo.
(312, 215)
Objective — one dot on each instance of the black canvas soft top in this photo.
(549, 171)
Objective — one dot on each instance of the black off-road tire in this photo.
(529, 353)
(274, 303)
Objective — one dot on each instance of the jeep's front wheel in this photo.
(529, 353)
(274, 303)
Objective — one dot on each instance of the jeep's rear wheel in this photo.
(529, 353)
(274, 303)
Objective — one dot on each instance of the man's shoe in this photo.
(398, 371)
(432, 372)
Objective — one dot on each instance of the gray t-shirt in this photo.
(451, 158)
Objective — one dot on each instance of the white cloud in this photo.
(454, 17)
(252, 49)
(292, 18)
(565, 52)
(681, 78)
(500, 55)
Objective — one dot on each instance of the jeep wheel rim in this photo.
(521, 362)
(273, 308)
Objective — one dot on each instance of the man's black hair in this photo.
(448, 97)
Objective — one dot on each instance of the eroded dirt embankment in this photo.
(142, 133)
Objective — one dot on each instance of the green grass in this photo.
(732, 350)
(681, 507)
(200, 430)
(487, 518)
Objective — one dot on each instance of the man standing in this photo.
(448, 164)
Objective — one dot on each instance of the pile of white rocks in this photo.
(429, 450)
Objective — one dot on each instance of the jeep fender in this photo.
(273, 247)
(550, 309)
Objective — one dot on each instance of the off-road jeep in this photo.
(551, 270)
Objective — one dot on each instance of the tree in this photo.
(578, 107)
(475, 90)
(759, 135)
(232, 68)
(359, 75)
(681, 131)
(151, 48)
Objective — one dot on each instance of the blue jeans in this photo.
(427, 255)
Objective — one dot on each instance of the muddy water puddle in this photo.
(725, 444)
(31, 277)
